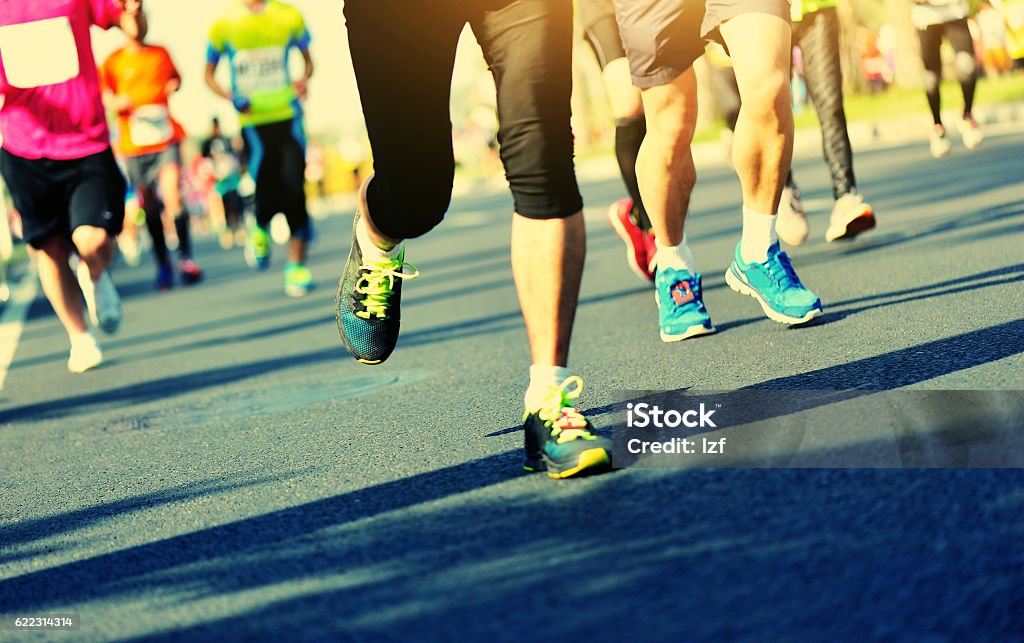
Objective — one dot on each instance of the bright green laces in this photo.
(377, 283)
(559, 412)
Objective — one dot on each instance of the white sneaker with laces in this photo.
(101, 299)
(970, 133)
(85, 353)
(939, 143)
(791, 224)
(850, 217)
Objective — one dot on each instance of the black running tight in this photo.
(959, 36)
(817, 35)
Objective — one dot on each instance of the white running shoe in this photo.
(85, 353)
(970, 133)
(850, 217)
(791, 224)
(939, 142)
(101, 299)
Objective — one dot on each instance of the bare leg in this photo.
(547, 265)
(763, 142)
(60, 284)
(665, 167)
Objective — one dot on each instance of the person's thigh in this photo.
(39, 192)
(97, 194)
(528, 46)
(403, 52)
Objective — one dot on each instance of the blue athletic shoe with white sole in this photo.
(681, 311)
(775, 285)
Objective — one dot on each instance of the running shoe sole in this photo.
(590, 461)
(737, 284)
(297, 291)
(693, 331)
(854, 227)
(637, 269)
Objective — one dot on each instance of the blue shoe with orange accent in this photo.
(775, 285)
(681, 311)
(559, 439)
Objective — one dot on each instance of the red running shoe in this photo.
(620, 216)
(190, 271)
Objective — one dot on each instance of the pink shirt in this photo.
(52, 106)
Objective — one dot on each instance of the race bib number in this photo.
(150, 125)
(37, 54)
(260, 70)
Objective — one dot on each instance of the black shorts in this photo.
(144, 170)
(600, 30)
(662, 38)
(276, 153)
(54, 197)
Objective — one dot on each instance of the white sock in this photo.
(370, 249)
(542, 378)
(79, 338)
(758, 235)
(674, 257)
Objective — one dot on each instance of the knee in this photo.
(412, 207)
(931, 81)
(90, 241)
(966, 66)
(769, 97)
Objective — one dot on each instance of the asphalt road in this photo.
(231, 473)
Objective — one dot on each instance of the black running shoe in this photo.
(559, 439)
(369, 303)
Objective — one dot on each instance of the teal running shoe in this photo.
(369, 301)
(559, 440)
(681, 311)
(257, 248)
(775, 285)
(298, 281)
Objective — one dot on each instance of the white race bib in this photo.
(150, 125)
(36, 54)
(260, 70)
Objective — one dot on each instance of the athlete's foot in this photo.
(190, 271)
(850, 217)
(939, 143)
(681, 311)
(559, 439)
(164, 278)
(298, 281)
(369, 301)
(775, 285)
(85, 353)
(791, 224)
(620, 215)
(970, 133)
(101, 299)
(257, 248)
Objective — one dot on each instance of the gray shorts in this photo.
(662, 38)
(144, 171)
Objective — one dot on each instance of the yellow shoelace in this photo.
(559, 412)
(378, 283)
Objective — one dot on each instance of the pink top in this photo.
(51, 93)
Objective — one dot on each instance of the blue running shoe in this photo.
(775, 286)
(560, 440)
(681, 311)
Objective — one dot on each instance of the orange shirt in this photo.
(142, 75)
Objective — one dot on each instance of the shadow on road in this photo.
(599, 559)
